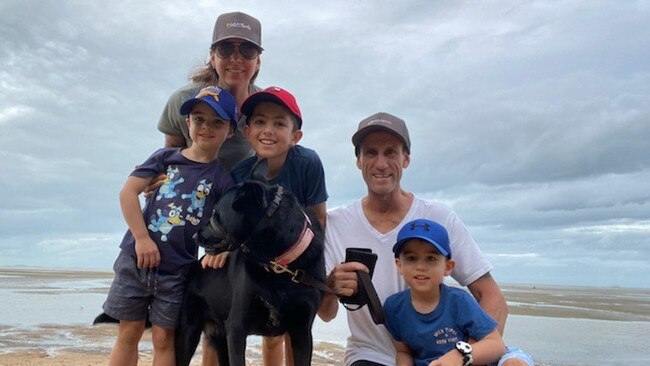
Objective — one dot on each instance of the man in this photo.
(382, 147)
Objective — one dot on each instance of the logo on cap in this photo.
(212, 91)
(426, 227)
(238, 25)
(380, 122)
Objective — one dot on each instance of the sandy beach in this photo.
(46, 315)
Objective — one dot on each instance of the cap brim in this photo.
(249, 105)
(238, 37)
(358, 137)
(398, 246)
(186, 108)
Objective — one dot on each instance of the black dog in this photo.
(273, 279)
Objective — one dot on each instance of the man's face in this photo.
(382, 159)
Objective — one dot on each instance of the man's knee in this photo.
(515, 362)
(516, 357)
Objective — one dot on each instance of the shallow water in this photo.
(53, 312)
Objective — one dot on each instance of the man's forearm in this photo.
(489, 296)
(329, 307)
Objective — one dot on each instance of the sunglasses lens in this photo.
(248, 51)
(225, 50)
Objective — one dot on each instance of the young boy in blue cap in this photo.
(430, 322)
(158, 248)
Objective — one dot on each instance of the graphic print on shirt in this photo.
(197, 201)
(446, 335)
(169, 184)
(167, 219)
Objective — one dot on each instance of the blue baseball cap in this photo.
(427, 230)
(221, 102)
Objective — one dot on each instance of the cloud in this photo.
(529, 119)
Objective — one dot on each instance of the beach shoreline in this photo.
(31, 335)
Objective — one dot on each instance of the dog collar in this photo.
(298, 247)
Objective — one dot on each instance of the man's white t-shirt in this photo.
(347, 227)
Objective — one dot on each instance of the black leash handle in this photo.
(368, 291)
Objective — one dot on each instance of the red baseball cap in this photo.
(275, 95)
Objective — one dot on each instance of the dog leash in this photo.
(298, 276)
(374, 305)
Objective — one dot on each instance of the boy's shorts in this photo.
(513, 352)
(135, 293)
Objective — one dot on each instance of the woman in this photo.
(233, 65)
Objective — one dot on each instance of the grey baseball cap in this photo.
(381, 122)
(237, 25)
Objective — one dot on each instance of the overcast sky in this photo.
(530, 119)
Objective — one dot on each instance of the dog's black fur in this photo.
(244, 297)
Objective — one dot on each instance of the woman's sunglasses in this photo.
(247, 50)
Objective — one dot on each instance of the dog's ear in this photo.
(250, 195)
(260, 170)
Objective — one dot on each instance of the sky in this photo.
(530, 119)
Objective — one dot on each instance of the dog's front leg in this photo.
(301, 344)
(236, 342)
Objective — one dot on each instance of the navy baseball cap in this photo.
(221, 102)
(426, 230)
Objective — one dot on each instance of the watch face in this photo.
(464, 347)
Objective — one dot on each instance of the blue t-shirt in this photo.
(302, 174)
(456, 318)
(180, 206)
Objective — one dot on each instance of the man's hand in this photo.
(343, 278)
(343, 281)
(214, 261)
(154, 184)
(147, 252)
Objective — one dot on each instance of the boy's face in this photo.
(270, 131)
(422, 266)
(207, 129)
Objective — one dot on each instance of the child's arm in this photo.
(146, 249)
(215, 261)
(489, 349)
(486, 351)
(403, 357)
(320, 210)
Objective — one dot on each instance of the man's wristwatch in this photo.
(465, 349)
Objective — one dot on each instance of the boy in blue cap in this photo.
(430, 322)
(158, 248)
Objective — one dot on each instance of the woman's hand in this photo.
(154, 185)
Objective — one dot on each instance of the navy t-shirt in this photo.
(302, 174)
(180, 206)
(456, 318)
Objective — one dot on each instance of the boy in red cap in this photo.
(274, 128)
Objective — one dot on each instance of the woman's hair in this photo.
(207, 75)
